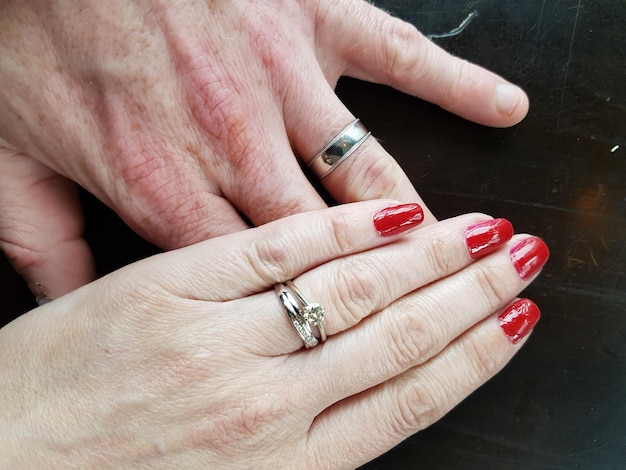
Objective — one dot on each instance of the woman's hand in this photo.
(188, 360)
(183, 115)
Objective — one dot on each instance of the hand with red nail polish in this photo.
(169, 367)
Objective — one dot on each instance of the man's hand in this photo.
(185, 115)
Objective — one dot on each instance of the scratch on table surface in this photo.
(540, 20)
(456, 31)
(569, 55)
(592, 257)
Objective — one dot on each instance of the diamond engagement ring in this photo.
(303, 314)
(339, 149)
(312, 313)
(293, 310)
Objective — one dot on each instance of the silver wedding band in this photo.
(304, 315)
(339, 149)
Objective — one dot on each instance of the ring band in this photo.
(293, 310)
(339, 149)
(302, 313)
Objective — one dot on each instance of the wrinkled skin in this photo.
(167, 363)
(183, 115)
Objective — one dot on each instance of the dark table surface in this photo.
(560, 404)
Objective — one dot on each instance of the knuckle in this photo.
(249, 420)
(412, 339)
(340, 233)
(234, 136)
(22, 258)
(377, 178)
(463, 76)
(466, 71)
(356, 294)
(440, 257)
(269, 201)
(221, 105)
(269, 258)
(416, 408)
(404, 53)
(490, 286)
(486, 359)
(167, 207)
(144, 303)
(243, 421)
(142, 164)
(172, 216)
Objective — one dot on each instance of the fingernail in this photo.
(397, 219)
(43, 300)
(508, 98)
(529, 256)
(519, 319)
(41, 294)
(484, 237)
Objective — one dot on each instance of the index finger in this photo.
(276, 252)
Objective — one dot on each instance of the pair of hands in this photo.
(183, 115)
(168, 363)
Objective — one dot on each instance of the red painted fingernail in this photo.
(529, 256)
(519, 319)
(397, 219)
(484, 237)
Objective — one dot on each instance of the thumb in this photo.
(41, 225)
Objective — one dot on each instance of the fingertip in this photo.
(398, 219)
(528, 256)
(487, 236)
(518, 319)
(486, 99)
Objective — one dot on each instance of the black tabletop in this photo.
(560, 174)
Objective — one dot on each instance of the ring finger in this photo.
(369, 172)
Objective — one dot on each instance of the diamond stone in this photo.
(313, 313)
